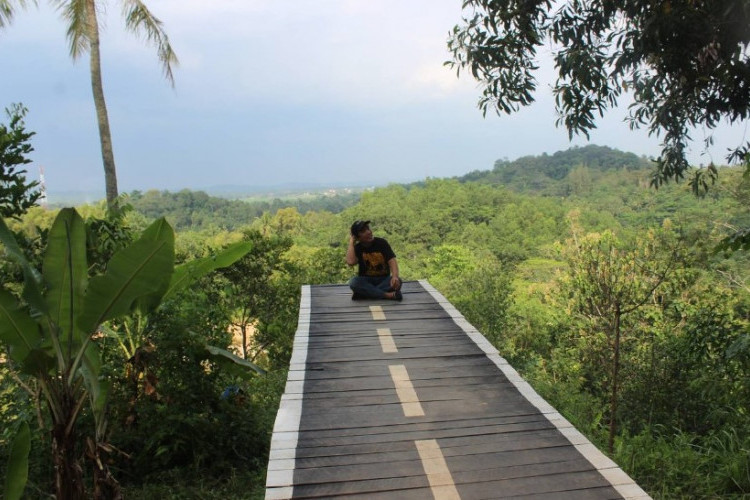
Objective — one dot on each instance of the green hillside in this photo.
(543, 174)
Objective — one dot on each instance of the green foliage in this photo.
(17, 407)
(236, 483)
(484, 296)
(607, 281)
(51, 334)
(18, 464)
(169, 410)
(739, 239)
(682, 465)
(478, 285)
(49, 337)
(106, 234)
(262, 295)
(543, 173)
(712, 348)
(198, 210)
(686, 64)
(16, 195)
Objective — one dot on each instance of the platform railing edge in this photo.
(282, 456)
(618, 478)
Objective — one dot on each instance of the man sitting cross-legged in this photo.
(378, 268)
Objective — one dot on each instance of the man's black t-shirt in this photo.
(373, 259)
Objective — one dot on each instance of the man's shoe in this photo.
(397, 295)
(356, 296)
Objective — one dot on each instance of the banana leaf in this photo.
(134, 272)
(17, 329)
(17, 472)
(66, 274)
(160, 230)
(187, 273)
(233, 363)
(32, 290)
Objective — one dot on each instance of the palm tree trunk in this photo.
(105, 137)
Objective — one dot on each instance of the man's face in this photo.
(365, 235)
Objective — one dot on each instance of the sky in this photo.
(271, 92)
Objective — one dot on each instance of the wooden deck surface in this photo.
(408, 401)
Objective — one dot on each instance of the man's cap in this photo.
(358, 226)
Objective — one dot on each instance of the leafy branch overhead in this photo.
(687, 64)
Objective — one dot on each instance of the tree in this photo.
(608, 281)
(83, 35)
(50, 335)
(686, 63)
(16, 195)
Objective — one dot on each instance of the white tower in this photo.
(42, 188)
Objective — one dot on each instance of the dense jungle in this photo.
(542, 254)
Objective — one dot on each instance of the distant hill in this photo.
(543, 173)
(286, 190)
(546, 175)
(231, 192)
(198, 210)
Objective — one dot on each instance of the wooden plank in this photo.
(452, 446)
(567, 481)
(386, 469)
(409, 488)
(458, 365)
(494, 459)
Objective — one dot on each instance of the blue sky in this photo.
(271, 92)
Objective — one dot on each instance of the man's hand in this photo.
(395, 283)
(351, 257)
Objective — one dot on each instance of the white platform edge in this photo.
(619, 480)
(281, 462)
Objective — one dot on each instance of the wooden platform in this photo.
(408, 401)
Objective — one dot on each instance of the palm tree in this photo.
(83, 35)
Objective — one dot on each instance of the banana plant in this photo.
(50, 332)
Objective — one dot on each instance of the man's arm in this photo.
(393, 264)
(351, 256)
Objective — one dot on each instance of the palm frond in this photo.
(74, 12)
(139, 19)
(7, 10)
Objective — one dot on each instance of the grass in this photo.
(182, 484)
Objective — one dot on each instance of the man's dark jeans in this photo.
(370, 287)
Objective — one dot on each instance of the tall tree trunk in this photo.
(105, 137)
(615, 379)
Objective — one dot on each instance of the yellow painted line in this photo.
(377, 313)
(441, 481)
(386, 340)
(405, 390)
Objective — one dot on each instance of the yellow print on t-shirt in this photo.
(375, 264)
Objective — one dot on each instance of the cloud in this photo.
(346, 52)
